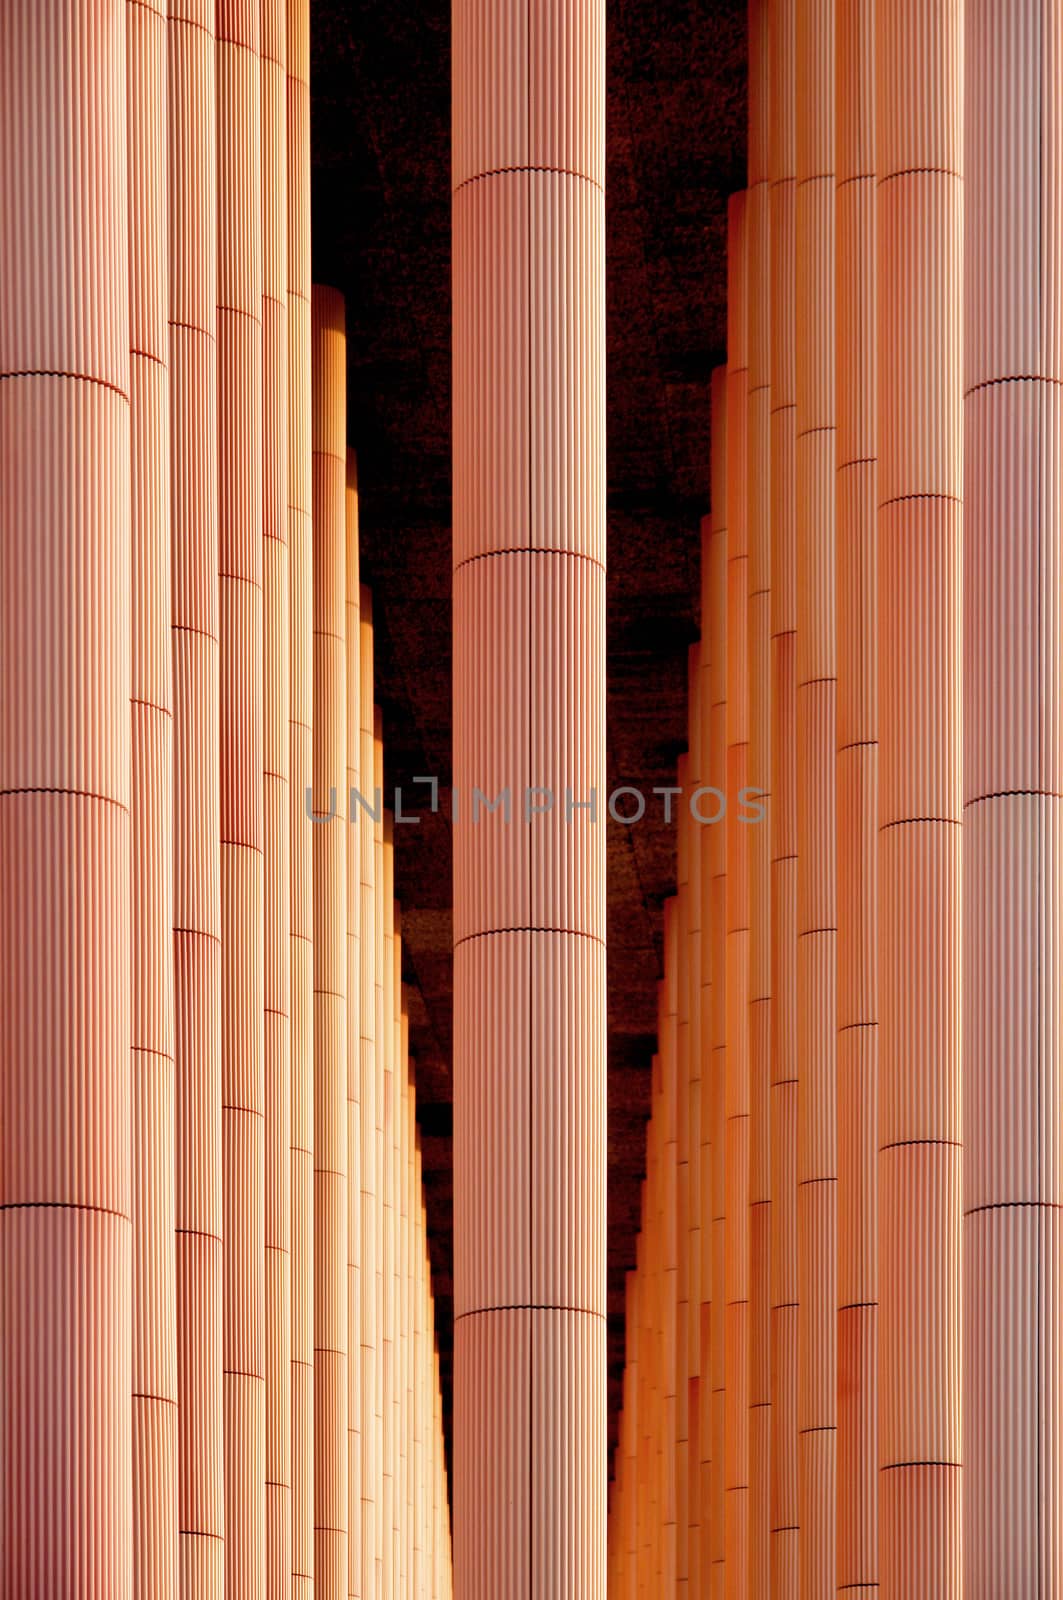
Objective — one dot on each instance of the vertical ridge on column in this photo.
(301, 680)
(154, 1332)
(919, 64)
(66, 649)
(277, 802)
(857, 784)
(329, 424)
(1012, 784)
(758, 776)
(240, 567)
(193, 315)
(785, 1515)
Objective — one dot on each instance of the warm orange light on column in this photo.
(329, 422)
(691, 1112)
(154, 1373)
(857, 815)
(66, 1184)
(529, 710)
(193, 256)
(918, 55)
(1012, 783)
(783, 816)
(301, 679)
(353, 738)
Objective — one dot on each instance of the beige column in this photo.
(193, 257)
(857, 816)
(66, 1184)
(356, 1585)
(817, 1159)
(240, 565)
(785, 1548)
(758, 776)
(1012, 783)
(329, 422)
(529, 910)
(389, 1587)
(154, 1333)
(918, 55)
(277, 802)
(301, 680)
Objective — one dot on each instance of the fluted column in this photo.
(277, 802)
(759, 538)
(704, 978)
(529, 910)
(154, 1346)
(329, 422)
(693, 1115)
(301, 681)
(66, 1185)
(1012, 783)
(193, 256)
(918, 54)
(353, 708)
(389, 1587)
(783, 819)
(857, 820)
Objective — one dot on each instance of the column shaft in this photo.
(353, 814)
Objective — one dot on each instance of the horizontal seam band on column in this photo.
(278, 777)
(501, 172)
(820, 427)
(907, 822)
(1017, 794)
(73, 377)
(820, 1427)
(238, 44)
(778, 860)
(240, 844)
(146, 355)
(197, 1233)
(780, 1083)
(810, 683)
(327, 633)
(241, 577)
(71, 794)
(857, 461)
(490, 933)
(850, 1027)
(148, 1050)
(486, 1311)
(200, 633)
(294, 722)
(814, 177)
(910, 172)
(786, 405)
(331, 993)
(754, 594)
(899, 1466)
(64, 1205)
(241, 1372)
(530, 550)
(760, 1405)
(141, 1394)
(857, 744)
(859, 1305)
(192, 327)
(807, 933)
(200, 1533)
(135, 699)
(787, 1527)
(1013, 1205)
(905, 1144)
(304, 938)
(273, 1011)
(856, 177)
(249, 1111)
(1013, 377)
(759, 388)
(810, 1183)
(930, 494)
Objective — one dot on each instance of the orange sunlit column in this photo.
(193, 316)
(301, 680)
(758, 776)
(370, 953)
(716, 624)
(668, 1041)
(529, 716)
(240, 565)
(66, 1184)
(783, 820)
(815, 700)
(857, 816)
(386, 1120)
(736, 960)
(381, 1036)
(680, 1355)
(356, 1575)
(1012, 783)
(329, 422)
(277, 802)
(692, 1113)
(918, 56)
(154, 1334)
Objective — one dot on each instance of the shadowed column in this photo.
(529, 716)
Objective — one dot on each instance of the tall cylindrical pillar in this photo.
(857, 821)
(193, 314)
(329, 423)
(154, 1377)
(300, 744)
(1012, 784)
(66, 1185)
(919, 68)
(529, 716)
(353, 813)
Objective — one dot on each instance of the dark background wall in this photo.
(676, 137)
